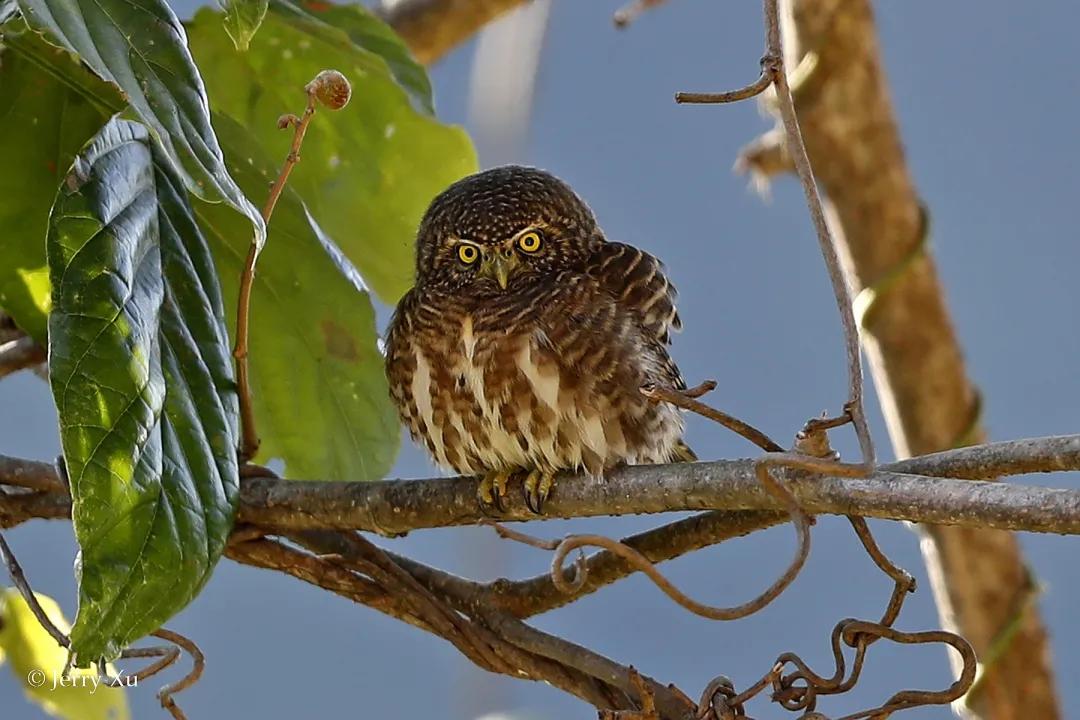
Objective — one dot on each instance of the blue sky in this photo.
(988, 124)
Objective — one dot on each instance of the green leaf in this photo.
(320, 394)
(319, 391)
(139, 45)
(367, 172)
(242, 19)
(142, 378)
(46, 121)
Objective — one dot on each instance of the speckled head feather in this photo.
(493, 206)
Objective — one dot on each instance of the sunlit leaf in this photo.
(37, 662)
(242, 20)
(368, 171)
(320, 392)
(139, 45)
(142, 378)
(46, 121)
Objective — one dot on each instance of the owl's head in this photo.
(502, 228)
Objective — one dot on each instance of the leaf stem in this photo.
(249, 443)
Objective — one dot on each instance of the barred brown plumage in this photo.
(526, 340)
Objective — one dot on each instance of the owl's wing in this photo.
(637, 282)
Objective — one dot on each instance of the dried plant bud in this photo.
(286, 121)
(331, 88)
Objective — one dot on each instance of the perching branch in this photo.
(933, 488)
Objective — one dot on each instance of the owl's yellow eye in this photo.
(529, 242)
(468, 254)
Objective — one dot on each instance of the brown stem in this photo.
(18, 578)
(688, 401)
(249, 443)
(774, 73)
(20, 353)
(764, 81)
(630, 12)
(829, 246)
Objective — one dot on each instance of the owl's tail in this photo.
(682, 453)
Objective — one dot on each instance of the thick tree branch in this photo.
(536, 655)
(20, 353)
(929, 403)
(394, 507)
(483, 620)
(933, 489)
(431, 28)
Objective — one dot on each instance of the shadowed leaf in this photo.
(142, 378)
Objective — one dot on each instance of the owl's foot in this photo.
(492, 489)
(538, 484)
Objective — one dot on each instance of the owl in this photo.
(524, 345)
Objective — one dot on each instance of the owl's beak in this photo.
(499, 268)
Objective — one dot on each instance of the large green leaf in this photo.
(312, 330)
(367, 172)
(319, 390)
(142, 378)
(46, 121)
(140, 46)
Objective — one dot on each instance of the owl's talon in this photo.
(538, 486)
(492, 490)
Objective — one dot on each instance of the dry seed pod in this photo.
(331, 88)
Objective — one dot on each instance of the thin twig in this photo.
(773, 73)
(797, 149)
(332, 90)
(639, 562)
(249, 443)
(687, 399)
(632, 10)
(198, 664)
(764, 81)
(18, 578)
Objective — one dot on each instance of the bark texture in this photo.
(431, 28)
(983, 587)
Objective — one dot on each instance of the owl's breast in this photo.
(524, 387)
